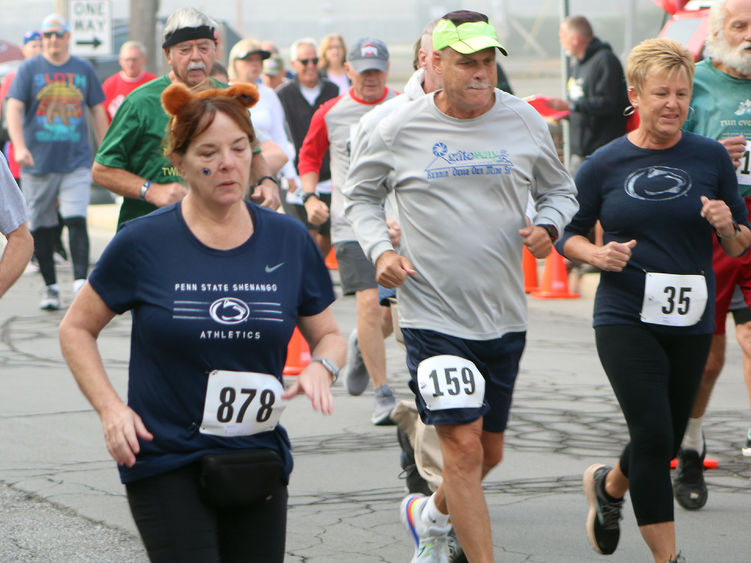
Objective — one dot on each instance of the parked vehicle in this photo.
(687, 21)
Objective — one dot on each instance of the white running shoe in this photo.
(746, 450)
(51, 299)
(78, 284)
(431, 543)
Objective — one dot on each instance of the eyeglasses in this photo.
(49, 34)
(305, 62)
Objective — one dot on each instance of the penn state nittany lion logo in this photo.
(658, 183)
(229, 311)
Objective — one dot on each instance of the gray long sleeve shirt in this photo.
(461, 188)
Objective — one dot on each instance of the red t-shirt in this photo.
(15, 170)
(117, 86)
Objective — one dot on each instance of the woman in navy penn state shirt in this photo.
(661, 194)
(216, 286)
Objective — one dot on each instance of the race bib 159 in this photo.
(450, 382)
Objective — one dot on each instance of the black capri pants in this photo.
(656, 378)
(177, 525)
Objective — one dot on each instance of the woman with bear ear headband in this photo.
(216, 285)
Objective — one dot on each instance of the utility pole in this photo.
(61, 7)
(143, 28)
(565, 71)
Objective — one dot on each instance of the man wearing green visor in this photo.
(462, 163)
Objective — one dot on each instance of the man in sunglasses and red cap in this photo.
(331, 130)
(462, 163)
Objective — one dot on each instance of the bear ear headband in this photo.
(176, 97)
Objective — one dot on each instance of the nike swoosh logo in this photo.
(270, 269)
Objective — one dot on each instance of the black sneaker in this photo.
(603, 528)
(415, 482)
(689, 487)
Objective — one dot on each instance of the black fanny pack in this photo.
(240, 478)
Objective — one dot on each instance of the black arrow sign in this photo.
(93, 42)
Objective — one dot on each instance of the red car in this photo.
(688, 23)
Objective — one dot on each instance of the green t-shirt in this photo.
(135, 142)
(722, 108)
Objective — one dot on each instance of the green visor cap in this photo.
(466, 38)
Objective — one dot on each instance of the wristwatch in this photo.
(329, 365)
(264, 178)
(552, 232)
(307, 195)
(144, 188)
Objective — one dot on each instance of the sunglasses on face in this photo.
(305, 62)
(58, 34)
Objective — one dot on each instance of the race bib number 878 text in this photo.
(241, 403)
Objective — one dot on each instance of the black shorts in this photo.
(497, 360)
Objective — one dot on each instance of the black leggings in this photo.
(177, 525)
(655, 378)
(45, 243)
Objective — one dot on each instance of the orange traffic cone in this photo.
(554, 279)
(331, 262)
(529, 271)
(709, 463)
(298, 354)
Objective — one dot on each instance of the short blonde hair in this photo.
(658, 55)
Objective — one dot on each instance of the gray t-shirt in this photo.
(461, 187)
(12, 204)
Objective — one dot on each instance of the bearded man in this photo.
(722, 106)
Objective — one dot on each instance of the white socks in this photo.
(432, 516)
(693, 438)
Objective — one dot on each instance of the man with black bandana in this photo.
(130, 161)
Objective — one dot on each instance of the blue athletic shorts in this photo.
(497, 360)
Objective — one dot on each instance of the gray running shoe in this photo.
(603, 527)
(689, 487)
(51, 299)
(355, 374)
(384, 404)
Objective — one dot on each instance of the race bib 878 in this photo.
(241, 403)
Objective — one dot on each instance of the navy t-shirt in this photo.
(197, 309)
(653, 196)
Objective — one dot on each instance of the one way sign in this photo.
(90, 27)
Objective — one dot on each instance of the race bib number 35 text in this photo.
(241, 403)
(673, 299)
(450, 382)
